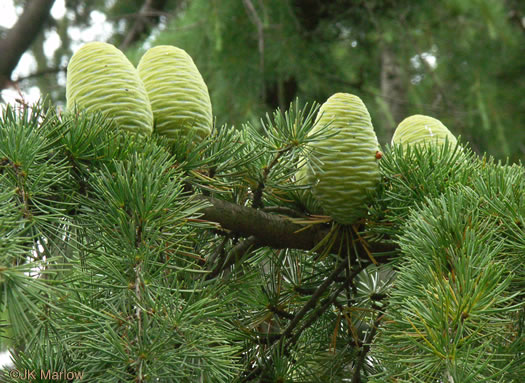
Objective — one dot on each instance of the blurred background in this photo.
(461, 61)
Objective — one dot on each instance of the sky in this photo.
(99, 30)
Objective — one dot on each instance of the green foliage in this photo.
(452, 303)
(107, 267)
(459, 289)
(411, 174)
(32, 171)
(258, 55)
(122, 246)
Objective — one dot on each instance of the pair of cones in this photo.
(343, 169)
(165, 92)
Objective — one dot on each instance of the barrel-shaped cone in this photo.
(177, 92)
(100, 79)
(419, 129)
(345, 168)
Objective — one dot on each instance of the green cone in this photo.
(345, 166)
(419, 129)
(178, 95)
(305, 196)
(100, 78)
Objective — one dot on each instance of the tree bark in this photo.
(276, 231)
(148, 15)
(20, 37)
(393, 89)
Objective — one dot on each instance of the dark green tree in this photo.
(459, 62)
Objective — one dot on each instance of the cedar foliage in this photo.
(108, 267)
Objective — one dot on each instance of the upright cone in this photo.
(345, 167)
(178, 95)
(305, 197)
(419, 129)
(100, 78)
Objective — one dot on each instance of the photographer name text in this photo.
(30, 375)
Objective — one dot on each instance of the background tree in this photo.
(459, 62)
(18, 39)
(379, 50)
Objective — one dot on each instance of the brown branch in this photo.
(317, 313)
(219, 251)
(273, 230)
(42, 72)
(356, 378)
(270, 229)
(313, 300)
(147, 16)
(235, 254)
(283, 210)
(310, 305)
(21, 36)
(257, 195)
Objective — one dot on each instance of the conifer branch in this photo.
(314, 299)
(257, 195)
(318, 312)
(312, 302)
(272, 230)
(366, 347)
(234, 255)
(283, 210)
(310, 305)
